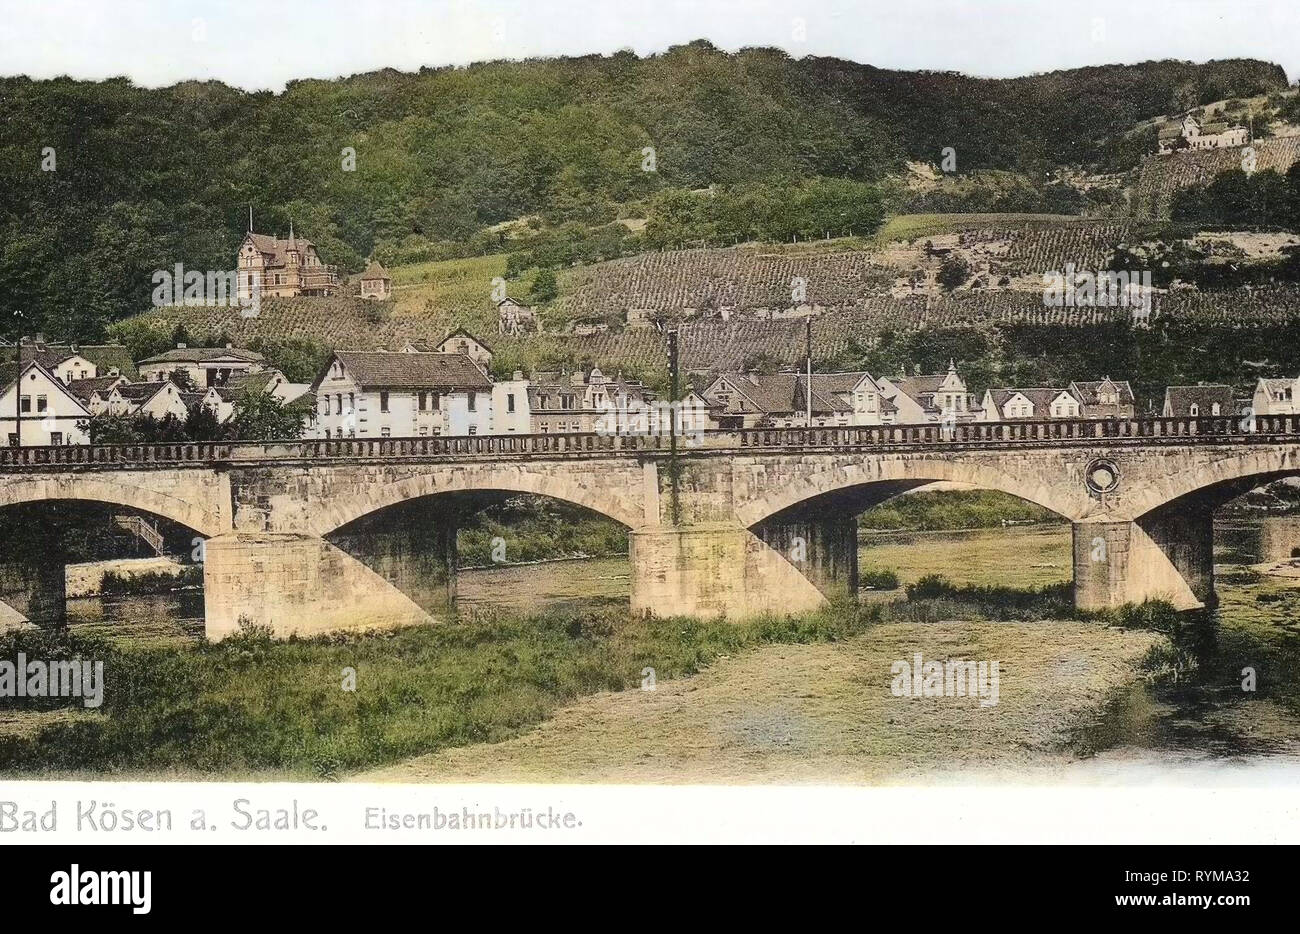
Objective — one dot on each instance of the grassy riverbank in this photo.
(251, 704)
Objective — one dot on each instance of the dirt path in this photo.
(820, 713)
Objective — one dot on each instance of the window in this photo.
(383, 401)
(1214, 409)
(56, 438)
(473, 401)
(325, 405)
(424, 430)
(352, 402)
(510, 402)
(26, 404)
(327, 432)
(338, 403)
(473, 429)
(13, 440)
(424, 401)
(435, 401)
(541, 401)
(1194, 411)
(385, 432)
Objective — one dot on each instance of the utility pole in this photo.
(18, 398)
(672, 424)
(808, 380)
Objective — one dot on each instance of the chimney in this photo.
(113, 371)
(519, 375)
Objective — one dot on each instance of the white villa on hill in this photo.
(1192, 134)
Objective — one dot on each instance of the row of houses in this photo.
(51, 393)
(782, 400)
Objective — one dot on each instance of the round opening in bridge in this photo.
(1101, 476)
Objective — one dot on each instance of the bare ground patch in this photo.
(821, 713)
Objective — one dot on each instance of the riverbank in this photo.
(822, 713)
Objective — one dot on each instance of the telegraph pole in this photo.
(808, 356)
(672, 423)
(18, 398)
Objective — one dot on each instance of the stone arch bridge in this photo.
(734, 523)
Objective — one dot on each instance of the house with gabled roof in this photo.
(461, 341)
(394, 394)
(1199, 401)
(93, 393)
(270, 266)
(781, 400)
(930, 398)
(1104, 398)
(156, 399)
(37, 409)
(205, 366)
(1276, 396)
(1030, 404)
(376, 283)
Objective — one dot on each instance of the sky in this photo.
(262, 45)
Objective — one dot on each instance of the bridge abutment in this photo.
(296, 585)
(711, 571)
(1166, 555)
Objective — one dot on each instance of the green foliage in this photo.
(954, 271)
(544, 287)
(1235, 199)
(254, 703)
(147, 178)
(949, 510)
(260, 416)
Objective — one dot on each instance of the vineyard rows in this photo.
(1161, 176)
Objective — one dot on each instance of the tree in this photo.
(260, 416)
(181, 377)
(954, 272)
(544, 286)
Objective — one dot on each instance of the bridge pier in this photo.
(296, 585)
(1164, 555)
(823, 548)
(713, 570)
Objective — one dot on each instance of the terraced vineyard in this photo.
(1161, 176)
(711, 344)
(744, 277)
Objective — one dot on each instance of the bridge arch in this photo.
(585, 492)
(1230, 473)
(907, 472)
(114, 491)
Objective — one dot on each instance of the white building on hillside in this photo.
(206, 366)
(930, 398)
(382, 394)
(1276, 396)
(37, 409)
(1029, 404)
(780, 400)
